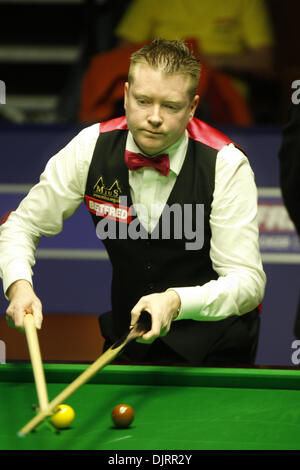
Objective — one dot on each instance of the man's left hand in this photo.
(163, 308)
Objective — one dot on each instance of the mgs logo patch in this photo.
(110, 194)
(107, 202)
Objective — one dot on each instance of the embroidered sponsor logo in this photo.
(116, 212)
(110, 194)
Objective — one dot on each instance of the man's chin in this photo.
(149, 148)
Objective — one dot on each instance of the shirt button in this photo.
(148, 266)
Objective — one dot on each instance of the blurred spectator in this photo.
(233, 37)
(97, 37)
(289, 160)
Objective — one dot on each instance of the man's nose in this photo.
(155, 117)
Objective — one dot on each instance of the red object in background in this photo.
(103, 83)
(227, 105)
(5, 217)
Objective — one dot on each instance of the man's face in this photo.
(158, 107)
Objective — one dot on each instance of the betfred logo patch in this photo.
(116, 212)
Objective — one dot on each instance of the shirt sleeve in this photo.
(234, 246)
(56, 197)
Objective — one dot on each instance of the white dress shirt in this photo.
(234, 243)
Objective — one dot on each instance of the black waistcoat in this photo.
(149, 263)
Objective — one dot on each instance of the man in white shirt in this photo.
(174, 178)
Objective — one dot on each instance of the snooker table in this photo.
(176, 408)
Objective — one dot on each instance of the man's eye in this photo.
(171, 107)
(142, 101)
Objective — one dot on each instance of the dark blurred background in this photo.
(47, 46)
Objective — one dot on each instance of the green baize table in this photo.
(176, 408)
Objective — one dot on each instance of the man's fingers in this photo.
(18, 325)
(137, 310)
(15, 315)
(38, 316)
(161, 307)
(135, 315)
(155, 329)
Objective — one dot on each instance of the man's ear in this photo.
(126, 86)
(194, 105)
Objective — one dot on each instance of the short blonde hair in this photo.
(169, 56)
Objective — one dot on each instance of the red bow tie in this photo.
(135, 161)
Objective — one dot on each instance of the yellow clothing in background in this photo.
(219, 26)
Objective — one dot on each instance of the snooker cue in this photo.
(138, 330)
(36, 360)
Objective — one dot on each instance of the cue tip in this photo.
(21, 434)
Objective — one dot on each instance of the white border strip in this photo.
(72, 254)
(43, 102)
(39, 54)
(269, 192)
(15, 188)
(281, 258)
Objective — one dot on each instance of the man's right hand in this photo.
(22, 301)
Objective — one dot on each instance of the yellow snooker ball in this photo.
(63, 416)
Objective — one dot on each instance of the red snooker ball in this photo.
(122, 416)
